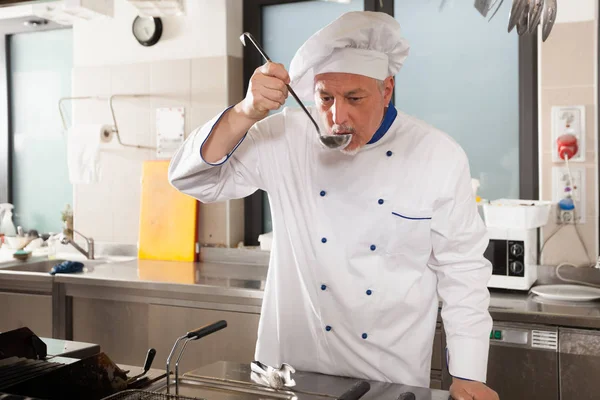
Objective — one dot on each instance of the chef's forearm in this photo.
(226, 134)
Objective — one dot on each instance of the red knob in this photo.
(567, 146)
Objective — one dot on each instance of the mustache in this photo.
(337, 129)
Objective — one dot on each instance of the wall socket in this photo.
(560, 178)
(568, 120)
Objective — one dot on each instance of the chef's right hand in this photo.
(266, 91)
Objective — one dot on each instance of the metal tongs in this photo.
(192, 335)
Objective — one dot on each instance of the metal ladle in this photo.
(329, 141)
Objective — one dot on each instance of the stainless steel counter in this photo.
(241, 286)
(68, 348)
(205, 382)
(244, 284)
(234, 280)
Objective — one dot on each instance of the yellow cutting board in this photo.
(175, 272)
(168, 218)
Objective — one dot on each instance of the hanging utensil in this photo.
(523, 23)
(516, 11)
(485, 6)
(536, 7)
(549, 18)
(497, 9)
(329, 141)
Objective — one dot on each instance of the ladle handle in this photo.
(266, 57)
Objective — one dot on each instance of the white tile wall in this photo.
(109, 211)
(576, 10)
(568, 78)
(201, 32)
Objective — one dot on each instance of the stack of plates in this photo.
(567, 292)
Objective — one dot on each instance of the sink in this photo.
(42, 266)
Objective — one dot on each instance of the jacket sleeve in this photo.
(459, 240)
(236, 175)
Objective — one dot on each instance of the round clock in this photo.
(147, 30)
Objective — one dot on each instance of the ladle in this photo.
(329, 141)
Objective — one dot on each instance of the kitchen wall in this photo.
(197, 65)
(568, 69)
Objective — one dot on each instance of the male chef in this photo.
(364, 238)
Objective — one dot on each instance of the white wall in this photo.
(576, 10)
(201, 32)
(196, 65)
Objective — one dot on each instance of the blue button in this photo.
(364, 336)
(373, 247)
(389, 153)
(323, 287)
(323, 193)
(327, 328)
(324, 240)
(380, 201)
(369, 292)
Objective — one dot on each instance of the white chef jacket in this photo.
(362, 246)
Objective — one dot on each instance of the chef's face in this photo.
(350, 103)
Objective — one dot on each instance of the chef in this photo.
(365, 238)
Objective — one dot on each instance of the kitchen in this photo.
(141, 96)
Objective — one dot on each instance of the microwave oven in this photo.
(513, 255)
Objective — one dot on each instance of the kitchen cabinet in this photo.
(579, 364)
(26, 310)
(119, 327)
(523, 361)
(126, 330)
(234, 343)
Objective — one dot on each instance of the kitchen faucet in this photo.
(89, 254)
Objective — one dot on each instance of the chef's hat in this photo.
(359, 42)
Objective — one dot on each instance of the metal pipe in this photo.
(177, 365)
(112, 113)
(116, 128)
(169, 358)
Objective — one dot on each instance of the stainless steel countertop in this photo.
(244, 284)
(248, 281)
(69, 348)
(240, 280)
(325, 385)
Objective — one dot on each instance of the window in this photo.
(465, 75)
(33, 171)
(462, 76)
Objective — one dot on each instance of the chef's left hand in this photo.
(471, 390)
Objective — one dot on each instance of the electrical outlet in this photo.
(560, 181)
(568, 120)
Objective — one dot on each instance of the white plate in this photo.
(567, 292)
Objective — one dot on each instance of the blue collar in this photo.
(388, 119)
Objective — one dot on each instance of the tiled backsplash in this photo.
(109, 210)
(568, 71)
